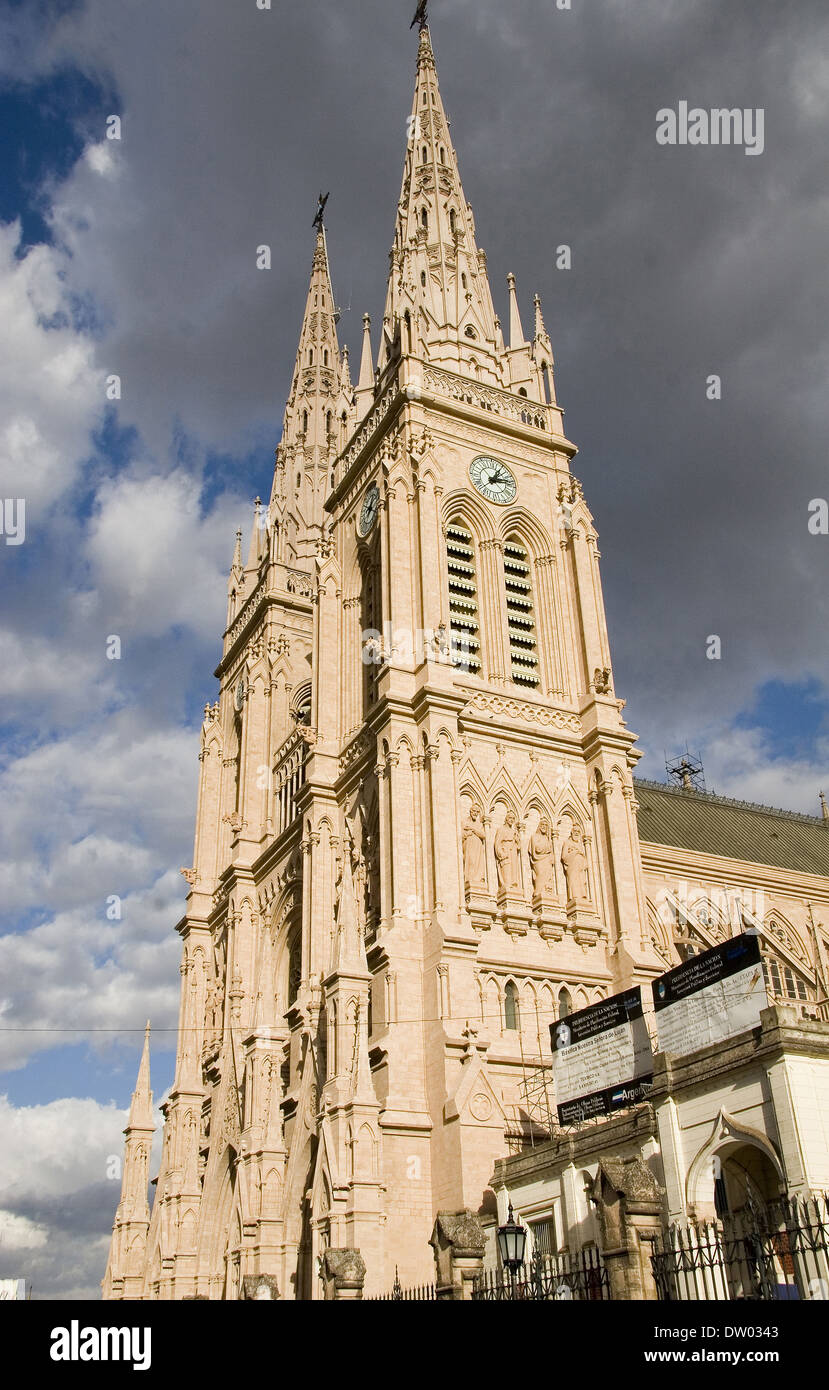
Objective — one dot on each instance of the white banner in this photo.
(711, 997)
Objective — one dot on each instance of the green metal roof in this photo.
(733, 829)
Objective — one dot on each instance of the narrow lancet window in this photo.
(520, 617)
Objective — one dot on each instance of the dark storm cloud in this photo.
(686, 262)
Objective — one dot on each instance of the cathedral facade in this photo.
(416, 838)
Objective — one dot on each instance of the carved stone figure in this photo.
(601, 680)
(507, 853)
(541, 859)
(574, 861)
(474, 849)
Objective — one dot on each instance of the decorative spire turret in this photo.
(124, 1272)
(318, 416)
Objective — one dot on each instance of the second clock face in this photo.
(492, 479)
(368, 515)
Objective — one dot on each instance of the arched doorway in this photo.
(745, 1179)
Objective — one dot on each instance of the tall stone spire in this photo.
(124, 1272)
(318, 417)
(439, 301)
(141, 1108)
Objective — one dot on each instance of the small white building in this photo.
(729, 1128)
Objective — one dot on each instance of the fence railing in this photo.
(419, 1293)
(772, 1253)
(579, 1276)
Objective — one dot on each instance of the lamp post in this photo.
(511, 1241)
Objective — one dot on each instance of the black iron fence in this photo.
(420, 1293)
(580, 1276)
(771, 1253)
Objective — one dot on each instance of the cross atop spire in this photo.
(421, 15)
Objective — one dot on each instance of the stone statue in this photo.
(474, 850)
(574, 860)
(507, 852)
(541, 859)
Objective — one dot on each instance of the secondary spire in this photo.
(318, 415)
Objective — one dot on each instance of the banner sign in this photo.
(710, 997)
(601, 1058)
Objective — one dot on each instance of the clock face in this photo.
(368, 515)
(492, 479)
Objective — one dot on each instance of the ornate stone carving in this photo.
(522, 710)
(474, 850)
(508, 854)
(540, 850)
(574, 862)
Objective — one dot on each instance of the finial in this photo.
(823, 807)
(539, 317)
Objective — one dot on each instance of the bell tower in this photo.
(416, 843)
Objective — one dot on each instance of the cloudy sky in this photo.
(137, 257)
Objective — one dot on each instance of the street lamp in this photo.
(511, 1241)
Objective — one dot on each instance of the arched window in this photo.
(325, 358)
(463, 599)
(442, 155)
(520, 619)
(329, 419)
(453, 221)
(301, 704)
(372, 622)
(565, 1003)
(548, 390)
(311, 357)
(305, 422)
(294, 964)
(425, 155)
(510, 1005)
(423, 278)
(424, 218)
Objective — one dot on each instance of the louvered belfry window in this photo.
(522, 642)
(463, 600)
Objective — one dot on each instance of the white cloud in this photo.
(19, 1233)
(57, 1202)
(158, 562)
(51, 392)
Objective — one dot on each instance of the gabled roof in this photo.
(732, 829)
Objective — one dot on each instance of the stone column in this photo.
(343, 1274)
(458, 1242)
(629, 1202)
